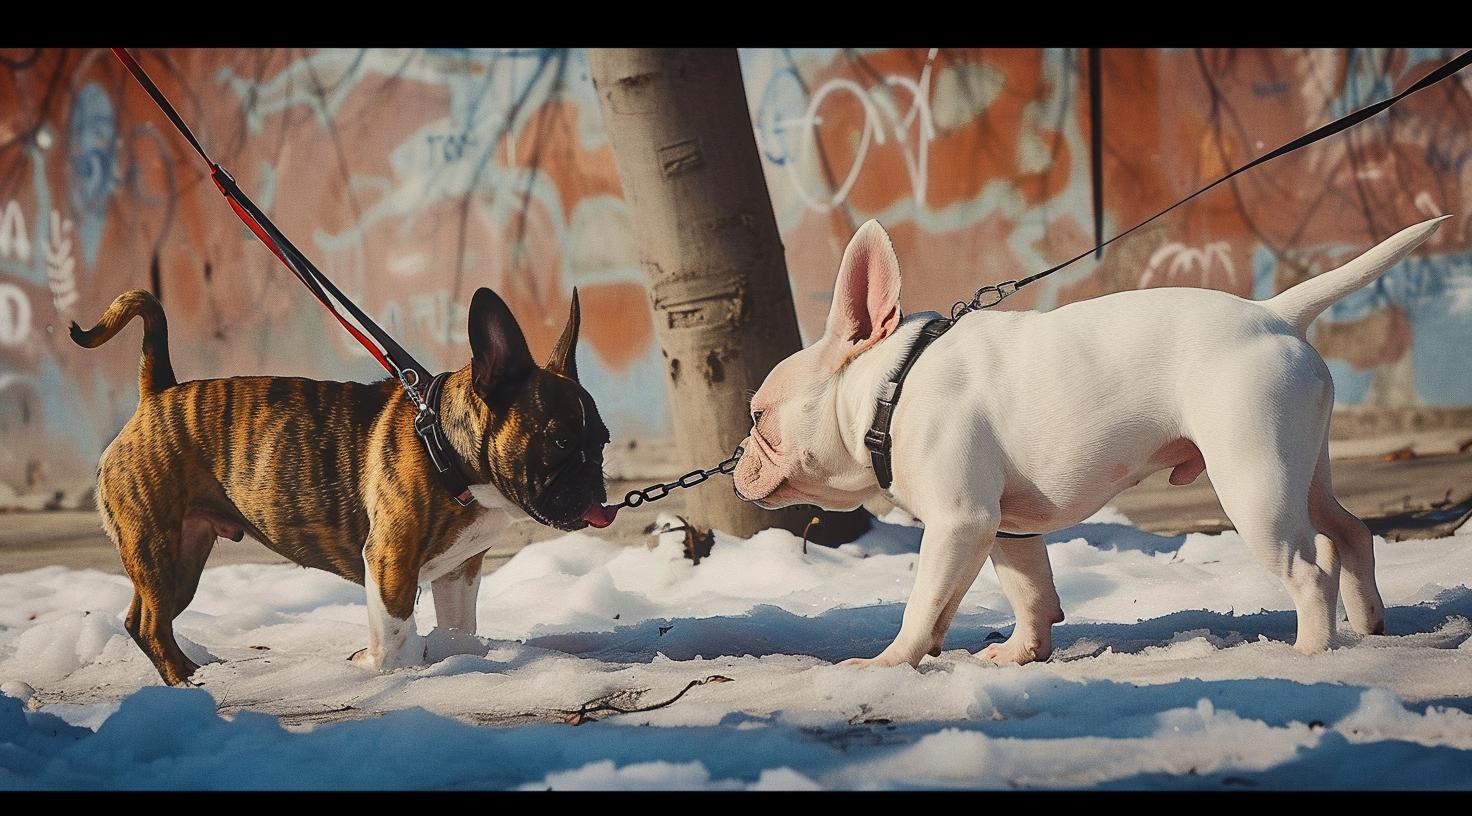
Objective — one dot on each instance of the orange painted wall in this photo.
(413, 177)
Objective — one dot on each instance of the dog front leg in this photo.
(455, 595)
(391, 582)
(1027, 581)
(948, 552)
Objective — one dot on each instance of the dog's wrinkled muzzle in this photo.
(756, 476)
(578, 486)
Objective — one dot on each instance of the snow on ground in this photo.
(1173, 670)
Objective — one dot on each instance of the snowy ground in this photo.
(1172, 671)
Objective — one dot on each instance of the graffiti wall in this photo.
(412, 177)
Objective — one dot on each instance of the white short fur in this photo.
(454, 579)
(1031, 422)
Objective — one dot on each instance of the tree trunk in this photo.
(683, 142)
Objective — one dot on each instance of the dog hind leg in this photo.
(196, 542)
(1356, 549)
(1027, 580)
(164, 557)
(1261, 467)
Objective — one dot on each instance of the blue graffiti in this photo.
(92, 148)
(1410, 284)
(1436, 294)
(1275, 88)
(781, 108)
(1264, 273)
(631, 401)
(1441, 333)
(450, 146)
(1447, 159)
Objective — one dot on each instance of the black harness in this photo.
(878, 438)
(448, 468)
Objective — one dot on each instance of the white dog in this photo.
(1031, 421)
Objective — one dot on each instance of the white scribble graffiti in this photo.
(881, 116)
(1427, 205)
(1174, 259)
(14, 243)
(60, 263)
(15, 315)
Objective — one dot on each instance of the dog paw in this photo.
(415, 652)
(882, 661)
(179, 676)
(1015, 652)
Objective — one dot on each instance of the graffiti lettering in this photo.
(15, 315)
(450, 147)
(880, 116)
(60, 263)
(14, 243)
(1176, 258)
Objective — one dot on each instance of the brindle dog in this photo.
(332, 476)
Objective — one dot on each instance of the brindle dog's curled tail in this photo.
(155, 371)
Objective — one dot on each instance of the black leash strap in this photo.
(1000, 291)
(414, 377)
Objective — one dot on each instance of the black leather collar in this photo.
(878, 439)
(448, 467)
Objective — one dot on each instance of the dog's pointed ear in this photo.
(564, 359)
(866, 296)
(500, 359)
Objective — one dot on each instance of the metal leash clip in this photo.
(997, 293)
(409, 378)
(427, 428)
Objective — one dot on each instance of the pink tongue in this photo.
(600, 516)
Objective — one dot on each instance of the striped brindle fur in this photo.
(332, 476)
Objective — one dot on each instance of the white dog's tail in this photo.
(1306, 301)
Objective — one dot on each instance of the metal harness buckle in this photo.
(877, 440)
(427, 428)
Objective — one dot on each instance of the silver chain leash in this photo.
(655, 492)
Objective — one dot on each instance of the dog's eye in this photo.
(756, 417)
(561, 442)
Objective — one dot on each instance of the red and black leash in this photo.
(389, 354)
(419, 384)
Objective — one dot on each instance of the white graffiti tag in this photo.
(15, 315)
(1176, 258)
(881, 116)
(60, 263)
(14, 243)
